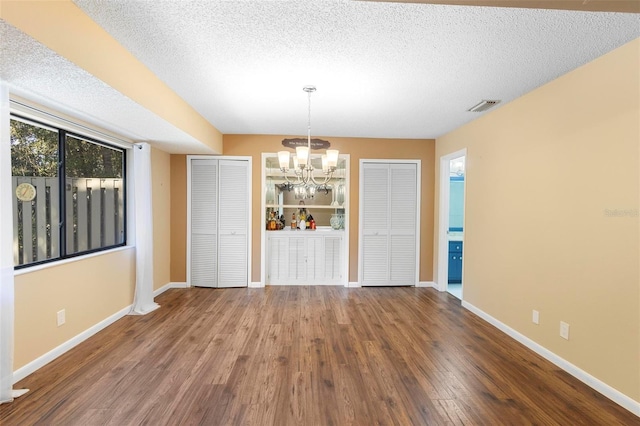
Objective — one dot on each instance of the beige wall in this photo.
(178, 218)
(89, 290)
(542, 173)
(255, 145)
(161, 195)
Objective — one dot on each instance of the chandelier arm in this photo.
(297, 182)
(306, 175)
(286, 178)
(326, 179)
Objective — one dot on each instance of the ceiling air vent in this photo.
(483, 106)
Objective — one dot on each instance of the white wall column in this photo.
(7, 301)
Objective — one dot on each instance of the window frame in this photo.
(63, 133)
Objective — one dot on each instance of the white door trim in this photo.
(443, 218)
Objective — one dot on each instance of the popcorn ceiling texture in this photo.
(37, 73)
(382, 69)
(388, 70)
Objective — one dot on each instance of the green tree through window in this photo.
(34, 150)
(79, 212)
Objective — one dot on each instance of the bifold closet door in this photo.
(204, 223)
(233, 211)
(403, 224)
(219, 223)
(374, 204)
(389, 227)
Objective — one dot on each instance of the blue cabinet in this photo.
(455, 262)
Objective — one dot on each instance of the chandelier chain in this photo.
(304, 171)
(309, 122)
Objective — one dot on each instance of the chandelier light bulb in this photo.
(332, 158)
(302, 152)
(283, 159)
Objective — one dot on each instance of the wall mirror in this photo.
(322, 201)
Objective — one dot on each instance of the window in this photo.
(70, 193)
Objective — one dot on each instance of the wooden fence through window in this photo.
(94, 211)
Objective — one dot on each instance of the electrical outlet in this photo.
(564, 330)
(61, 317)
(535, 317)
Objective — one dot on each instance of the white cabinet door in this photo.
(307, 259)
(278, 258)
(389, 228)
(332, 259)
(219, 222)
(314, 259)
(297, 265)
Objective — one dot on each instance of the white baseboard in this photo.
(427, 284)
(298, 284)
(598, 385)
(40, 362)
(167, 286)
(353, 284)
(440, 287)
(256, 284)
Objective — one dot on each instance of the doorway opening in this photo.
(451, 223)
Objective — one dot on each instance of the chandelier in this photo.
(303, 176)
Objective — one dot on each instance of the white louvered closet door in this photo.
(403, 224)
(233, 211)
(374, 204)
(204, 240)
(389, 224)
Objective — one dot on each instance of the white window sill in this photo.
(35, 268)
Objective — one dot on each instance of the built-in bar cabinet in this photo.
(293, 253)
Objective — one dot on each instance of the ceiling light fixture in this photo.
(302, 168)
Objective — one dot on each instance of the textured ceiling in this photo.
(38, 74)
(388, 70)
(625, 6)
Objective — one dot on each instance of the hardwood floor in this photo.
(306, 356)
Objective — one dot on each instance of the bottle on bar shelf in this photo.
(272, 226)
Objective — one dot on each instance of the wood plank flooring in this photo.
(306, 356)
